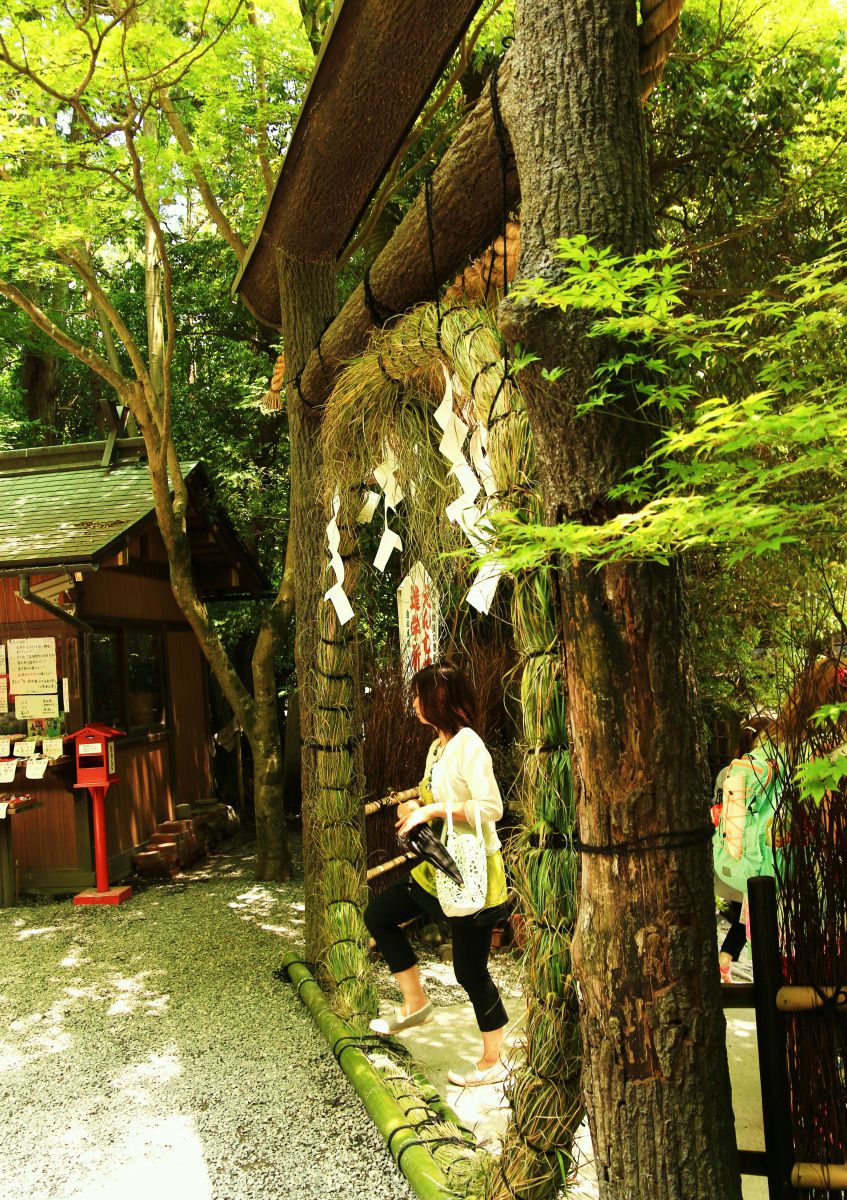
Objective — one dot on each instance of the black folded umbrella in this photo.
(423, 841)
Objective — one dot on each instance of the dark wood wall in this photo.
(52, 844)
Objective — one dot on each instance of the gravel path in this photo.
(149, 1051)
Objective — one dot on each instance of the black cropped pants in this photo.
(471, 944)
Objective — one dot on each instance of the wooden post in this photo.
(770, 1036)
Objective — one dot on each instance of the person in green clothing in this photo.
(459, 772)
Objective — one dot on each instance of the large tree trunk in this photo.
(272, 856)
(259, 719)
(656, 1078)
(40, 388)
(308, 299)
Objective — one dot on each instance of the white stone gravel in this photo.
(148, 1051)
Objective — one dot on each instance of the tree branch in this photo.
(85, 355)
(212, 207)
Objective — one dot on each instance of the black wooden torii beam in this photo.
(379, 62)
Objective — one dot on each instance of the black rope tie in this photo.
(281, 973)
(342, 748)
(672, 839)
(485, 367)
(379, 314)
(327, 324)
(552, 840)
(506, 1183)
(353, 1043)
(384, 370)
(837, 1002)
(430, 231)
(407, 1146)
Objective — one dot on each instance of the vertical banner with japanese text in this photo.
(419, 616)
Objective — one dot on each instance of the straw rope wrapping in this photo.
(454, 1149)
(338, 791)
(656, 35)
(545, 1093)
(370, 409)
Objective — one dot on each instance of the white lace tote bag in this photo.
(468, 852)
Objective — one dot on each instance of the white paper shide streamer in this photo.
(336, 594)
(465, 511)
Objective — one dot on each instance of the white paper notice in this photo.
(5, 751)
(24, 749)
(32, 666)
(8, 766)
(35, 768)
(337, 597)
(66, 695)
(368, 509)
(388, 543)
(4, 694)
(52, 747)
(2, 658)
(31, 707)
(4, 808)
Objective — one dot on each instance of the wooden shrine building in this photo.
(90, 632)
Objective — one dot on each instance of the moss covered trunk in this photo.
(656, 1078)
(308, 299)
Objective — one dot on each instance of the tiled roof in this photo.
(64, 517)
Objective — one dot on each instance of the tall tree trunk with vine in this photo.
(656, 1077)
(308, 300)
(258, 718)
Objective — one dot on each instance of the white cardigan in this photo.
(463, 774)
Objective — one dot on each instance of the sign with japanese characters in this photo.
(32, 666)
(418, 613)
(27, 707)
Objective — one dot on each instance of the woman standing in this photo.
(459, 773)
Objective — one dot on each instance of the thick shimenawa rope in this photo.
(366, 411)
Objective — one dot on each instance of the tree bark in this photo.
(308, 299)
(40, 387)
(656, 1078)
(273, 860)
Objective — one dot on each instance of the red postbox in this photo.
(95, 769)
(94, 747)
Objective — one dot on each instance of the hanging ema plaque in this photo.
(418, 613)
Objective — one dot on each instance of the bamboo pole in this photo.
(383, 868)
(417, 1164)
(803, 999)
(830, 1176)
(391, 799)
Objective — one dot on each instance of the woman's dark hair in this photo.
(447, 700)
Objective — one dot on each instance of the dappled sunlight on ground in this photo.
(28, 933)
(268, 900)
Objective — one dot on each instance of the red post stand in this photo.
(95, 769)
